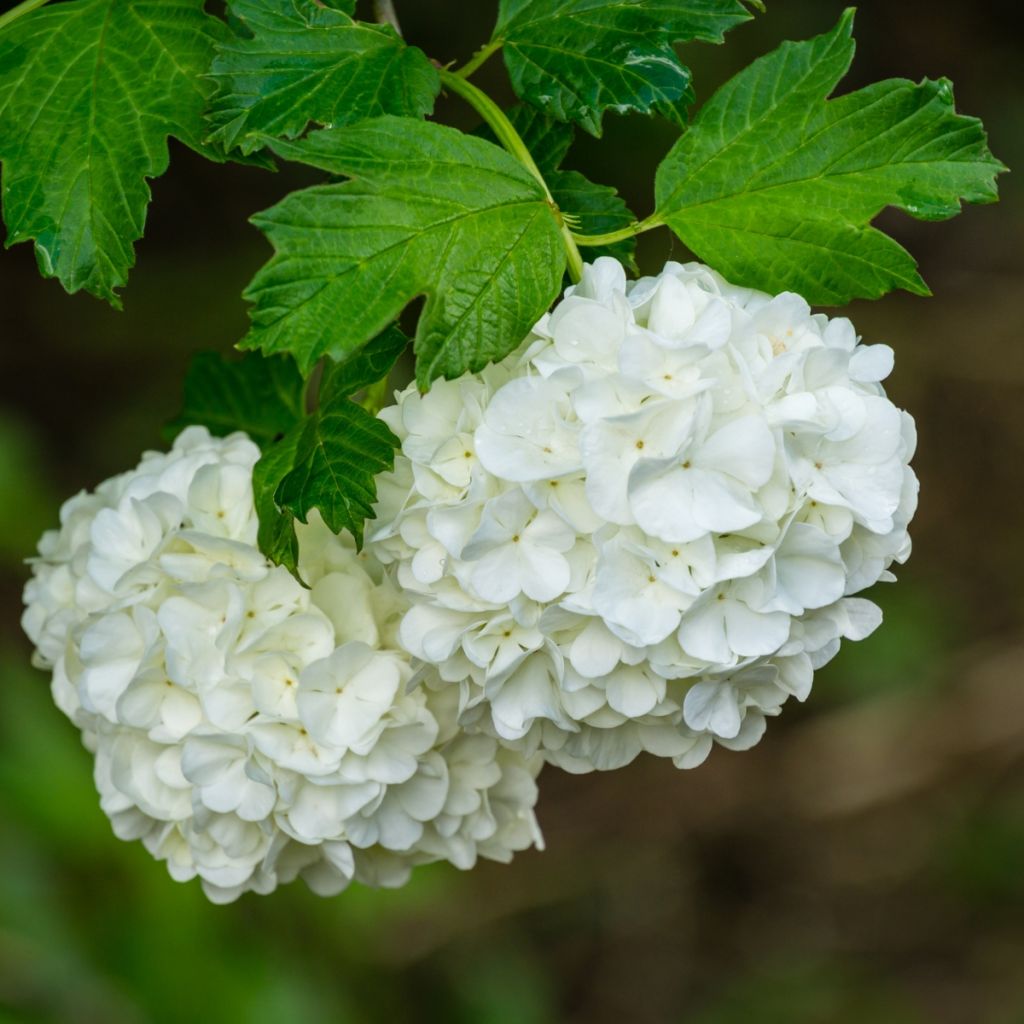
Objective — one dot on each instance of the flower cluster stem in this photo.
(512, 141)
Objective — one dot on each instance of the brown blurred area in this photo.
(865, 863)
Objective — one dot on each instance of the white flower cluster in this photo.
(245, 728)
(642, 530)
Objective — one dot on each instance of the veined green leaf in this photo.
(305, 61)
(368, 366)
(89, 92)
(276, 535)
(338, 452)
(264, 396)
(776, 187)
(576, 58)
(429, 211)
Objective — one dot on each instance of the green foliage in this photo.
(776, 188)
(547, 140)
(576, 58)
(89, 92)
(773, 184)
(429, 211)
(326, 460)
(590, 208)
(595, 209)
(262, 396)
(370, 365)
(337, 454)
(276, 536)
(305, 61)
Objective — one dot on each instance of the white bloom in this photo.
(247, 729)
(518, 550)
(666, 497)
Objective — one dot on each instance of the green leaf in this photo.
(264, 396)
(368, 366)
(89, 92)
(338, 454)
(576, 58)
(305, 61)
(276, 535)
(594, 210)
(429, 211)
(776, 187)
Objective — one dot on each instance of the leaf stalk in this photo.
(629, 231)
(25, 7)
(384, 13)
(513, 143)
(479, 58)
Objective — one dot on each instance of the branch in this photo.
(384, 12)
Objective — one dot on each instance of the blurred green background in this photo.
(865, 863)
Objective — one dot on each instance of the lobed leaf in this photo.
(368, 366)
(302, 61)
(276, 535)
(574, 59)
(776, 187)
(429, 211)
(338, 452)
(90, 90)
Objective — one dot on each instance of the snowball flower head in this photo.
(643, 530)
(249, 729)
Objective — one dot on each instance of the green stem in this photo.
(384, 14)
(511, 140)
(16, 12)
(636, 228)
(478, 58)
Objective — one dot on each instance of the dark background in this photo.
(865, 863)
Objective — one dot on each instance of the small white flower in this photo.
(344, 697)
(524, 436)
(705, 486)
(518, 549)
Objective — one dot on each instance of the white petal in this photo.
(633, 692)
(871, 363)
(712, 705)
(743, 449)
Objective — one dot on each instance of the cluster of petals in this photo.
(644, 529)
(249, 729)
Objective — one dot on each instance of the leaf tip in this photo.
(918, 286)
(844, 26)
